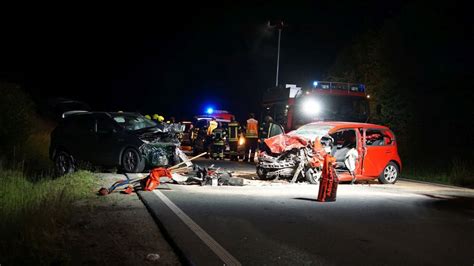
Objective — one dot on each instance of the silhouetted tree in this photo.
(417, 68)
(16, 114)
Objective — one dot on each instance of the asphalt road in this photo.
(282, 224)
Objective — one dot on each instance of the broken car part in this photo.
(293, 158)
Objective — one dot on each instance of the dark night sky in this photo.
(175, 61)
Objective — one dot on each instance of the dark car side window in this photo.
(105, 125)
(79, 124)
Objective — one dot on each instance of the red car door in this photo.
(376, 150)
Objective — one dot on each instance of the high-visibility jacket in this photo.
(212, 126)
(251, 131)
(233, 131)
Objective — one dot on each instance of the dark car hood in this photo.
(149, 134)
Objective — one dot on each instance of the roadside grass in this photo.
(33, 215)
(457, 172)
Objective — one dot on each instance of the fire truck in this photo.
(292, 106)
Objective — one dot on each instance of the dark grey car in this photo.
(101, 138)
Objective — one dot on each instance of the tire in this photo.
(261, 173)
(312, 177)
(132, 161)
(64, 163)
(390, 174)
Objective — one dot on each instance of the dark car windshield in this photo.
(133, 122)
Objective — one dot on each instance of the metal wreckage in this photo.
(210, 175)
(160, 148)
(298, 159)
(284, 157)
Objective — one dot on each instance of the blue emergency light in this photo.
(210, 110)
(315, 84)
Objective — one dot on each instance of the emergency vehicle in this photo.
(293, 107)
(199, 130)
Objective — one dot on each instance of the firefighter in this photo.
(159, 121)
(171, 121)
(212, 125)
(263, 131)
(233, 133)
(158, 118)
(148, 117)
(251, 135)
(265, 128)
(218, 143)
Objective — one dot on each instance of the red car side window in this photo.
(374, 137)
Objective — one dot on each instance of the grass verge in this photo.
(33, 215)
(457, 172)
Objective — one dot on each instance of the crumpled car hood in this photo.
(281, 143)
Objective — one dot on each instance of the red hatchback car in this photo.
(376, 147)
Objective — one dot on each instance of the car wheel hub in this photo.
(390, 173)
(62, 164)
(130, 161)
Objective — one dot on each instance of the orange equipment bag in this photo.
(329, 181)
(154, 178)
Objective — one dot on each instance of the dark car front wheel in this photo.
(64, 163)
(389, 174)
(261, 173)
(132, 161)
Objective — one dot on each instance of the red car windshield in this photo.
(311, 131)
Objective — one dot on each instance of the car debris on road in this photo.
(149, 182)
(211, 175)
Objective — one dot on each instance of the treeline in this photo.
(417, 69)
(24, 135)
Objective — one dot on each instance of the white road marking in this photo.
(223, 254)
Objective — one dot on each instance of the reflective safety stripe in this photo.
(233, 132)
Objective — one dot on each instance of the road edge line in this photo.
(222, 253)
(179, 253)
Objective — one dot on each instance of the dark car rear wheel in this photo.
(132, 161)
(64, 163)
(389, 174)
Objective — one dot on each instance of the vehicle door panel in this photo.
(275, 129)
(81, 137)
(377, 154)
(109, 142)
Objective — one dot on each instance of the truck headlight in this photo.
(241, 141)
(311, 107)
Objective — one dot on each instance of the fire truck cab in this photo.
(293, 107)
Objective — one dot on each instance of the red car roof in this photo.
(338, 125)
